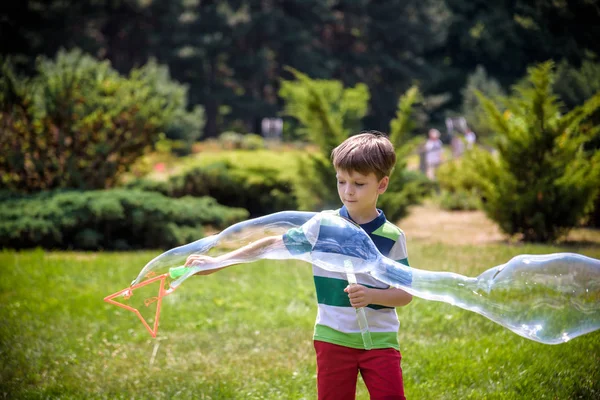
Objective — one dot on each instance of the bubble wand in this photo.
(361, 316)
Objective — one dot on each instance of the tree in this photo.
(328, 114)
(507, 36)
(472, 109)
(267, 36)
(406, 187)
(575, 86)
(543, 180)
(400, 36)
(78, 123)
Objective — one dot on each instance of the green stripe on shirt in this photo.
(388, 230)
(330, 291)
(381, 340)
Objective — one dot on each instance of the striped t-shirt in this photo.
(336, 318)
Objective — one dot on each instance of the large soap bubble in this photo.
(547, 298)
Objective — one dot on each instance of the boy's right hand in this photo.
(198, 260)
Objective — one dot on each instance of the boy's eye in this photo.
(341, 182)
(360, 184)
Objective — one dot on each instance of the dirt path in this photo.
(430, 223)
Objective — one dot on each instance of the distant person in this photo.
(458, 146)
(470, 138)
(433, 153)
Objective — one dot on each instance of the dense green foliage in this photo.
(110, 219)
(260, 190)
(507, 37)
(245, 333)
(458, 187)
(575, 86)
(79, 124)
(328, 114)
(472, 109)
(185, 128)
(237, 141)
(232, 53)
(543, 180)
(406, 187)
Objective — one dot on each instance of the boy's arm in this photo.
(247, 253)
(362, 296)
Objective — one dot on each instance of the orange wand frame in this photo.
(162, 292)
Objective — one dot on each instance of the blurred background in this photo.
(232, 55)
(128, 127)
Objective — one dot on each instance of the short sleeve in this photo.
(296, 242)
(398, 252)
(303, 238)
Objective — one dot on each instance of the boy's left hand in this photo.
(360, 296)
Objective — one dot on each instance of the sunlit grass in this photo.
(245, 333)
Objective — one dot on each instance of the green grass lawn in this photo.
(245, 333)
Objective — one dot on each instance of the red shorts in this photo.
(338, 368)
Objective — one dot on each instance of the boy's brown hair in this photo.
(367, 152)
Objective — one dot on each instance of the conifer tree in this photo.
(543, 179)
(329, 114)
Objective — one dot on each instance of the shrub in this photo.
(575, 86)
(458, 188)
(543, 180)
(329, 114)
(459, 200)
(259, 190)
(79, 124)
(231, 140)
(185, 129)
(405, 189)
(252, 141)
(239, 141)
(109, 219)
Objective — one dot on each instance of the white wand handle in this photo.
(360, 312)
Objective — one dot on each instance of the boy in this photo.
(363, 164)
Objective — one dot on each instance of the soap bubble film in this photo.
(546, 298)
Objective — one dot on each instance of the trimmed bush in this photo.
(261, 190)
(252, 141)
(241, 141)
(115, 219)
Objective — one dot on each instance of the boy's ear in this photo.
(383, 184)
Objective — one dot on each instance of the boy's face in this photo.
(359, 192)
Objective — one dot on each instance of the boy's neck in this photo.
(365, 217)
